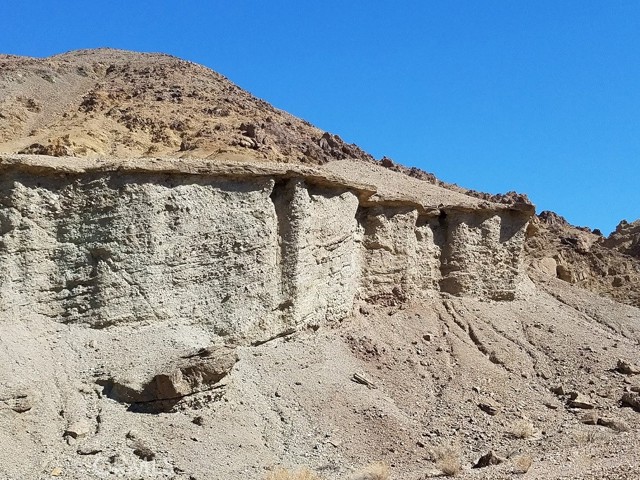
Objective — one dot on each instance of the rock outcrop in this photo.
(556, 249)
(626, 238)
(250, 251)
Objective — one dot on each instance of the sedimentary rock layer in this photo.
(249, 251)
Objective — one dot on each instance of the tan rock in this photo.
(580, 401)
(78, 429)
(547, 266)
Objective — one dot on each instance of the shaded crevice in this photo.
(287, 255)
(447, 283)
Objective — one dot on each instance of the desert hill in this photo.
(122, 104)
(196, 285)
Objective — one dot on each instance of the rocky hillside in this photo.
(607, 266)
(195, 285)
(626, 238)
(114, 103)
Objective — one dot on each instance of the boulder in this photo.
(547, 266)
(189, 374)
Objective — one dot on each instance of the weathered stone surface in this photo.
(482, 254)
(585, 258)
(627, 368)
(176, 379)
(626, 238)
(580, 401)
(631, 399)
(487, 460)
(249, 251)
(548, 266)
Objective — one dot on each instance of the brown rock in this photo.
(488, 460)
(488, 408)
(617, 425)
(547, 266)
(627, 368)
(590, 418)
(631, 399)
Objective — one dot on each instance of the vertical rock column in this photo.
(319, 244)
(482, 255)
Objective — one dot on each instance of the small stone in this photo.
(580, 401)
(143, 451)
(488, 408)
(627, 368)
(426, 337)
(357, 378)
(56, 472)
(78, 429)
(488, 460)
(199, 420)
(630, 399)
(88, 450)
(559, 390)
(590, 418)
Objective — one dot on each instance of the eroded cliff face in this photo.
(249, 254)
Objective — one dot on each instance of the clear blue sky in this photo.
(538, 96)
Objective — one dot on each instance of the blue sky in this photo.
(542, 97)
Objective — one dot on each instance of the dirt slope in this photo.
(461, 373)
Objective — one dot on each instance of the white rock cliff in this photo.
(247, 250)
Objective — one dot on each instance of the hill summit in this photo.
(97, 103)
